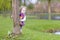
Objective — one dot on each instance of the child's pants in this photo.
(21, 25)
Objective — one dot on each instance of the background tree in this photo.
(24, 2)
(49, 9)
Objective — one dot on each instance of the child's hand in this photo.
(11, 16)
(20, 23)
(20, 17)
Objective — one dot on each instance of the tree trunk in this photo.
(15, 16)
(24, 2)
(49, 9)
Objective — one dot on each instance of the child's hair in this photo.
(22, 8)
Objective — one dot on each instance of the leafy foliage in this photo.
(5, 4)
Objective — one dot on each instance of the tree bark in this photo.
(15, 16)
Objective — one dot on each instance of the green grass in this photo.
(32, 30)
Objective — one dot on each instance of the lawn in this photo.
(33, 30)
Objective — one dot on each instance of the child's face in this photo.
(23, 10)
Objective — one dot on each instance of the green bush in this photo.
(31, 6)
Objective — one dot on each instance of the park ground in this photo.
(33, 30)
